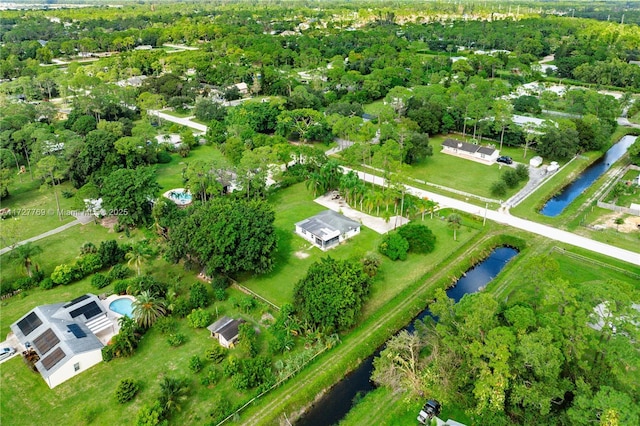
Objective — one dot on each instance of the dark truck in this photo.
(430, 410)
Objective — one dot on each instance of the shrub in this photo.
(199, 318)
(120, 287)
(110, 252)
(510, 177)
(182, 307)
(394, 246)
(24, 283)
(99, 281)
(176, 339)
(220, 282)
(67, 194)
(89, 263)
(150, 415)
(63, 274)
(164, 157)
(245, 303)
(499, 189)
(47, 284)
(195, 364)
(211, 376)
(87, 248)
(522, 172)
(107, 353)
(216, 354)
(370, 264)
(126, 390)
(220, 294)
(198, 296)
(119, 272)
(420, 237)
(166, 325)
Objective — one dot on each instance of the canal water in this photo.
(338, 401)
(560, 201)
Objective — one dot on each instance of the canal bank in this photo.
(338, 401)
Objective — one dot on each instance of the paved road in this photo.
(41, 236)
(186, 121)
(527, 225)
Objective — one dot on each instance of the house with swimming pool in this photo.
(65, 339)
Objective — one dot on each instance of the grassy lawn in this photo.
(169, 175)
(35, 208)
(295, 204)
(26, 399)
(61, 248)
(459, 173)
(179, 114)
(374, 107)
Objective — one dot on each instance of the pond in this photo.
(560, 201)
(338, 401)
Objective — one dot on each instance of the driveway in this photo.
(507, 219)
(374, 223)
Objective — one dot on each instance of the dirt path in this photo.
(269, 412)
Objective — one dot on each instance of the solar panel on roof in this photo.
(76, 300)
(76, 330)
(46, 341)
(29, 323)
(55, 357)
(89, 310)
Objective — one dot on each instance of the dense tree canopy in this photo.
(226, 235)
(332, 293)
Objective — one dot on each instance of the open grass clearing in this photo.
(294, 204)
(36, 209)
(63, 247)
(458, 173)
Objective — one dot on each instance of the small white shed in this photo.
(535, 161)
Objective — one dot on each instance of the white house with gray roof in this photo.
(485, 153)
(327, 229)
(63, 335)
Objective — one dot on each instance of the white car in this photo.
(6, 353)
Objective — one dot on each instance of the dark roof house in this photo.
(469, 150)
(225, 330)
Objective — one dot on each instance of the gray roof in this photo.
(486, 150)
(468, 147)
(227, 327)
(59, 331)
(328, 224)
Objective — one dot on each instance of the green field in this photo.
(169, 175)
(459, 173)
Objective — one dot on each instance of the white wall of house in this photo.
(491, 157)
(349, 234)
(68, 370)
(306, 235)
(224, 342)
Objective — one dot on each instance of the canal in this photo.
(560, 201)
(338, 401)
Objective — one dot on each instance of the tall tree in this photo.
(128, 194)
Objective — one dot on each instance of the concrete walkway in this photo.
(41, 236)
(507, 219)
(374, 223)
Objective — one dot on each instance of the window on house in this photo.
(76, 366)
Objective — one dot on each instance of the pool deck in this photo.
(113, 316)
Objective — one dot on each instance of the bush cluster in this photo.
(126, 390)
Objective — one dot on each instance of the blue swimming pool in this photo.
(122, 306)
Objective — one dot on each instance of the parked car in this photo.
(430, 410)
(505, 159)
(6, 353)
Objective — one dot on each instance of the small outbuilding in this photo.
(535, 161)
(225, 330)
(327, 229)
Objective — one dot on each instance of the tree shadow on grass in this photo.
(282, 254)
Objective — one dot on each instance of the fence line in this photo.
(281, 381)
(595, 262)
(244, 289)
(618, 209)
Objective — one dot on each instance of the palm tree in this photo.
(455, 221)
(138, 254)
(147, 309)
(173, 392)
(432, 206)
(24, 255)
